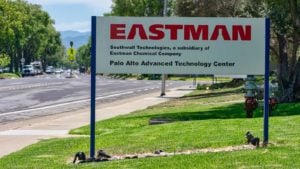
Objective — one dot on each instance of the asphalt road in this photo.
(50, 94)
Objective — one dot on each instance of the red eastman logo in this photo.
(190, 32)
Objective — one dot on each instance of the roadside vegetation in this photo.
(27, 32)
(202, 119)
(9, 76)
(207, 78)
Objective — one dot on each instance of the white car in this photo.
(59, 71)
(49, 69)
(28, 70)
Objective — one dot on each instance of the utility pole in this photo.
(164, 76)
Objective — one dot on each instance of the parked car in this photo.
(49, 69)
(82, 70)
(1, 70)
(37, 65)
(59, 71)
(28, 70)
(5, 70)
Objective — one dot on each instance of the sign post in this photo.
(93, 89)
(164, 76)
(71, 56)
(22, 62)
(151, 45)
(266, 90)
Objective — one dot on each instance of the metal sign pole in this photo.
(266, 91)
(93, 89)
(164, 76)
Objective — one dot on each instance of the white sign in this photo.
(152, 45)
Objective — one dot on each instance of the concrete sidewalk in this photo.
(16, 135)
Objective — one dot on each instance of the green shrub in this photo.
(9, 75)
(232, 84)
(202, 86)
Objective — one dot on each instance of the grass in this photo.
(8, 76)
(202, 119)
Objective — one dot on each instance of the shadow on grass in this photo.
(221, 112)
(286, 109)
(211, 94)
(232, 111)
(224, 112)
(229, 111)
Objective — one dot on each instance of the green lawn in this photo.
(203, 119)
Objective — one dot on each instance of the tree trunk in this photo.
(288, 70)
(297, 84)
(282, 67)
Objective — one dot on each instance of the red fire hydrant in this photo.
(250, 96)
(272, 104)
(250, 105)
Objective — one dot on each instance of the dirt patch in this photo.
(160, 153)
(44, 156)
(187, 152)
(156, 121)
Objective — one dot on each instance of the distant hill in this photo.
(79, 38)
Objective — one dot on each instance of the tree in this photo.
(83, 55)
(139, 7)
(11, 28)
(56, 59)
(26, 32)
(285, 19)
(4, 60)
(208, 8)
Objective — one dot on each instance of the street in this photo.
(47, 94)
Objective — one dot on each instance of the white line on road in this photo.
(26, 86)
(64, 104)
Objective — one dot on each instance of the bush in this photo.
(202, 87)
(232, 84)
(9, 76)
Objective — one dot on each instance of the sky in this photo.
(74, 14)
